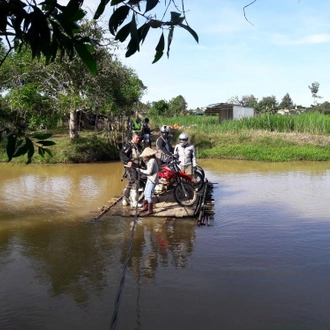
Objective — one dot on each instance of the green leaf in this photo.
(159, 49)
(86, 56)
(30, 147)
(132, 47)
(117, 18)
(100, 8)
(161, 43)
(42, 136)
(176, 17)
(79, 15)
(41, 151)
(151, 4)
(46, 143)
(21, 151)
(115, 2)
(143, 31)
(11, 146)
(48, 152)
(123, 33)
(169, 40)
(190, 30)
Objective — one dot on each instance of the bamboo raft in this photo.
(165, 206)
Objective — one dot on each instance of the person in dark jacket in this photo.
(146, 133)
(129, 156)
(163, 145)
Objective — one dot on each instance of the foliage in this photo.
(40, 94)
(268, 104)
(249, 101)
(48, 30)
(158, 108)
(234, 100)
(19, 144)
(322, 108)
(177, 106)
(286, 102)
(52, 30)
(265, 137)
(91, 147)
(307, 123)
(123, 23)
(314, 88)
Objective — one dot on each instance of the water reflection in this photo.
(159, 243)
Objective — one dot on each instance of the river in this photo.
(262, 263)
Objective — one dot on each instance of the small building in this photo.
(227, 111)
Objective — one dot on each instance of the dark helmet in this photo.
(165, 130)
(146, 120)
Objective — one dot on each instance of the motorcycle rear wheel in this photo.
(185, 194)
(199, 178)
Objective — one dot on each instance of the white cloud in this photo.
(307, 40)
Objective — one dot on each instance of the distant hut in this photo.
(227, 111)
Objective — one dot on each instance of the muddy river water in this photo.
(263, 263)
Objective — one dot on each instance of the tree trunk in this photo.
(73, 132)
(96, 123)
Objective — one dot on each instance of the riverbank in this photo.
(264, 146)
(253, 145)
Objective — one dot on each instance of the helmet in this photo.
(183, 138)
(146, 120)
(165, 129)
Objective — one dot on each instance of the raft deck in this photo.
(165, 206)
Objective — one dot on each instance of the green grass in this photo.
(311, 123)
(262, 138)
(90, 147)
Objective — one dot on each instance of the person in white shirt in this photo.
(151, 172)
(185, 152)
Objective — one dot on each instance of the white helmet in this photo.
(165, 129)
(183, 138)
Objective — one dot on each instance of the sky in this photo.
(283, 47)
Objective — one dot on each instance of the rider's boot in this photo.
(150, 209)
(144, 206)
(126, 199)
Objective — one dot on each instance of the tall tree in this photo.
(69, 85)
(177, 106)
(234, 100)
(249, 101)
(158, 108)
(314, 88)
(268, 104)
(286, 102)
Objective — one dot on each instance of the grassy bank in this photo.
(262, 138)
(90, 147)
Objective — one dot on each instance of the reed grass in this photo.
(311, 123)
(265, 138)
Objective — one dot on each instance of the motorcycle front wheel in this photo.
(185, 194)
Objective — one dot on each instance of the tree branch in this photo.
(251, 3)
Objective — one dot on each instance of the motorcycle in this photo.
(172, 178)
